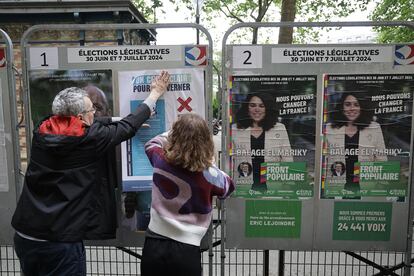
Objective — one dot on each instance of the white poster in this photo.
(185, 94)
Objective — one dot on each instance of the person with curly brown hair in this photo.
(184, 182)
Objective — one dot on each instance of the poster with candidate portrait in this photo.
(273, 135)
(367, 136)
(45, 84)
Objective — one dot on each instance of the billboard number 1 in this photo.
(44, 58)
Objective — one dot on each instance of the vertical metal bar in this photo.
(198, 21)
(222, 236)
(13, 111)
(408, 251)
(281, 262)
(266, 262)
(210, 250)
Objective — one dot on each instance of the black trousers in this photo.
(38, 258)
(162, 257)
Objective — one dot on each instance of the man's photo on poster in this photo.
(244, 169)
(338, 168)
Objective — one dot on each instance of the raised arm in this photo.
(117, 132)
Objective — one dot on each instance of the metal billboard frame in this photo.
(13, 124)
(224, 112)
(25, 43)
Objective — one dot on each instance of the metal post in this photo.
(408, 252)
(13, 111)
(281, 262)
(222, 237)
(266, 263)
(210, 249)
(198, 21)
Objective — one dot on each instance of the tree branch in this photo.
(266, 6)
(230, 13)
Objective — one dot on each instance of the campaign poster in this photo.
(272, 134)
(273, 219)
(185, 94)
(362, 221)
(367, 136)
(46, 84)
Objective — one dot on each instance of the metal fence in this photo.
(105, 260)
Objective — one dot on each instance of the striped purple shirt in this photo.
(181, 207)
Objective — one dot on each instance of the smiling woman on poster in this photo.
(353, 136)
(258, 138)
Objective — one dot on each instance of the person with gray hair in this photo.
(69, 102)
(59, 203)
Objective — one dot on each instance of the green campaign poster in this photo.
(271, 218)
(362, 221)
(381, 179)
(287, 179)
(283, 179)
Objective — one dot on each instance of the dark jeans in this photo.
(39, 258)
(162, 257)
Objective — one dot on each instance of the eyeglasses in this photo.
(93, 110)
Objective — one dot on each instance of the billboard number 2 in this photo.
(247, 57)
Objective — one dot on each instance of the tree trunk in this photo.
(255, 34)
(288, 14)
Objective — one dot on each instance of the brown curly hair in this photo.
(190, 144)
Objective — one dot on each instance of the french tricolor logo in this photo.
(196, 56)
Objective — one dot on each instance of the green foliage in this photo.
(394, 10)
(148, 8)
(216, 106)
(323, 11)
(235, 11)
(240, 11)
(268, 10)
